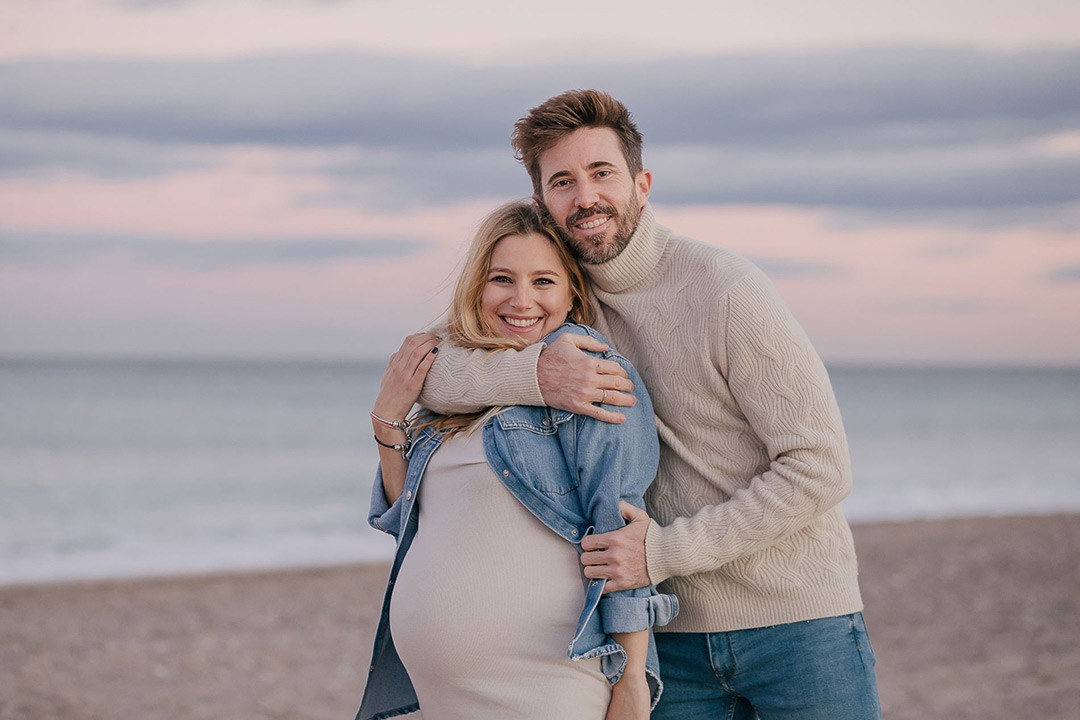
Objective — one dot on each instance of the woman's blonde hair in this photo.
(465, 322)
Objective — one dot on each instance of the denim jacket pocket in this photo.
(526, 437)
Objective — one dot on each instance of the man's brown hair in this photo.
(556, 118)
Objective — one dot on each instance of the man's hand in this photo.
(619, 555)
(572, 380)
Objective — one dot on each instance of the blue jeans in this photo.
(813, 670)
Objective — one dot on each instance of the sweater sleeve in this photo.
(464, 381)
(783, 390)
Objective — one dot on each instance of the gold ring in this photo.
(603, 399)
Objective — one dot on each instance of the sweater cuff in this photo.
(661, 561)
(526, 385)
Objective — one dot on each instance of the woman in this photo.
(486, 592)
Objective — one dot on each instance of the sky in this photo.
(299, 178)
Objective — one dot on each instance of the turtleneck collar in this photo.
(636, 262)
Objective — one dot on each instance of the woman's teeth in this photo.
(521, 323)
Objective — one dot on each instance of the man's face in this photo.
(589, 192)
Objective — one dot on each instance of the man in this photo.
(744, 524)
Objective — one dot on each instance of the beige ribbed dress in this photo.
(486, 602)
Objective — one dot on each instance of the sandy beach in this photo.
(974, 618)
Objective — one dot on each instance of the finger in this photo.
(595, 557)
(632, 513)
(427, 361)
(598, 541)
(621, 399)
(583, 342)
(409, 347)
(420, 352)
(610, 367)
(411, 341)
(595, 571)
(620, 383)
(416, 342)
(592, 545)
(595, 411)
(614, 586)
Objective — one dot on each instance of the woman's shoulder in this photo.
(575, 329)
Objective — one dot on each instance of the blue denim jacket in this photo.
(570, 471)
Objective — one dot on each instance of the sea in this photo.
(126, 469)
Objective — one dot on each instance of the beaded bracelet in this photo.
(402, 448)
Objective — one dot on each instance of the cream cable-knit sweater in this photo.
(747, 527)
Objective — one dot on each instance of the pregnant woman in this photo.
(486, 612)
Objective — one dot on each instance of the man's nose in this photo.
(586, 195)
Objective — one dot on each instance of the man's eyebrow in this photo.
(591, 166)
(560, 174)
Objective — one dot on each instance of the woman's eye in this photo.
(499, 279)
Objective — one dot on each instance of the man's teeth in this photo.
(593, 223)
(522, 323)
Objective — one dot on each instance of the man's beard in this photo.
(597, 253)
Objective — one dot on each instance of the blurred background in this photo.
(219, 218)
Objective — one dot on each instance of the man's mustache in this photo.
(586, 213)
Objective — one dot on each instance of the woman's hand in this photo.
(404, 376)
(630, 698)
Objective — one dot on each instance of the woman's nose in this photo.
(522, 297)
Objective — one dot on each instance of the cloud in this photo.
(37, 153)
(70, 250)
(938, 306)
(156, 4)
(1064, 274)
(911, 130)
(776, 267)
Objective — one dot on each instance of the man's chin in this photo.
(597, 254)
(591, 249)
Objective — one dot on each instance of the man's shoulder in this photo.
(726, 267)
(684, 245)
(573, 328)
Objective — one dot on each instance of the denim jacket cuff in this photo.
(382, 516)
(630, 614)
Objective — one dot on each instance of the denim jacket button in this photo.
(574, 533)
(408, 494)
(506, 473)
(546, 422)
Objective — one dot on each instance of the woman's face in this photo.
(527, 294)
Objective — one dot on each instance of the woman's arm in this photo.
(398, 392)
(617, 463)
(631, 697)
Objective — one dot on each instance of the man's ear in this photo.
(644, 184)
